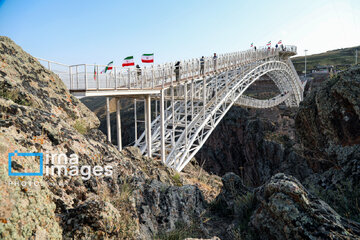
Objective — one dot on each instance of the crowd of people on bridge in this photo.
(278, 45)
(178, 67)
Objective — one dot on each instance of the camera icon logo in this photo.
(17, 154)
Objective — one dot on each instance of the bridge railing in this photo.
(84, 77)
(247, 101)
(62, 70)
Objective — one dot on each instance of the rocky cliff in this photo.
(328, 126)
(255, 144)
(280, 209)
(140, 199)
(330, 116)
(325, 206)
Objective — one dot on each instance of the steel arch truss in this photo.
(193, 109)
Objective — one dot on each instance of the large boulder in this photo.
(162, 207)
(287, 210)
(339, 186)
(233, 188)
(96, 218)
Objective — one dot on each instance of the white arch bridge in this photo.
(185, 112)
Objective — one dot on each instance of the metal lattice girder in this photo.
(205, 122)
(175, 113)
(178, 120)
(203, 106)
(249, 102)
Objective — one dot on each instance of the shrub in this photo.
(80, 127)
(177, 180)
(181, 232)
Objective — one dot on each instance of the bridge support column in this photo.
(204, 95)
(192, 99)
(108, 119)
(162, 126)
(118, 124)
(186, 114)
(148, 124)
(173, 114)
(135, 118)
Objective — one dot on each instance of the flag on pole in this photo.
(108, 67)
(280, 42)
(147, 58)
(269, 43)
(128, 61)
(252, 44)
(95, 72)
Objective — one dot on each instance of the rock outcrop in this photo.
(162, 207)
(328, 126)
(38, 114)
(330, 115)
(339, 186)
(287, 210)
(253, 145)
(26, 82)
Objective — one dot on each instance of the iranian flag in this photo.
(95, 72)
(251, 45)
(280, 42)
(128, 61)
(269, 43)
(147, 58)
(108, 67)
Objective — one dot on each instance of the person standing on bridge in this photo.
(215, 61)
(138, 71)
(177, 70)
(202, 65)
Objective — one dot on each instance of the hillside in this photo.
(339, 57)
(39, 115)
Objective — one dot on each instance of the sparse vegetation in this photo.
(345, 199)
(279, 138)
(81, 127)
(121, 201)
(177, 180)
(181, 232)
(245, 206)
(339, 57)
(14, 95)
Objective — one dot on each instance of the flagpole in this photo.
(305, 63)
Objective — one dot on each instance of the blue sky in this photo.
(100, 31)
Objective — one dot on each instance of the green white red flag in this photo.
(147, 58)
(108, 67)
(269, 43)
(251, 45)
(95, 72)
(280, 42)
(128, 61)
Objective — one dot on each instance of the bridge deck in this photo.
(82, 81)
